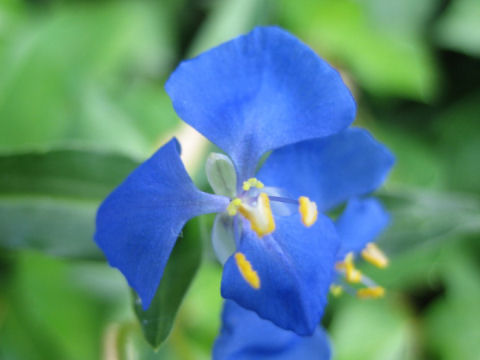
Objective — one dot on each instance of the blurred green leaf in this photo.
(406, 16)
(459, 27)
(228, 19)
(372, 330)
(158, 319)
(452, 321)
(416, 163)
(203, 306)
(48, 317)
(386, 60)
(458, 129)
(48, 200)
(426, 218)
(83, 74)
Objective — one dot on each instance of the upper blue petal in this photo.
(329, 170)
(360, 223)
(295, 265)
(245, 336)
(139, 222)
(258, 92)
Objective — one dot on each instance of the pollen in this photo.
(336, 290)
(375, 256)
(375, 292)
(260, 215)
(308, 210)
(247, 271)
(232, 208)
(352, 274)
(252, 183)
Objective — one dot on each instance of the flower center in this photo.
(254, 205)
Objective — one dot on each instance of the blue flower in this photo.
(245, 336)
(347, 165)
(259, 92)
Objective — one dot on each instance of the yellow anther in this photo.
(352, 274)
(308, 210)
(245, 268)
(232, 208)
(260, 215)
(252, 182)
(375, 292)
(375, 256)
(336, 290)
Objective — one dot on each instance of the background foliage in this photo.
(82, 103)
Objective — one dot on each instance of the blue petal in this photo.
(139, 222)
(360, 223)
(329, 170)
(295, 265)
(245, 336)
(258, 92)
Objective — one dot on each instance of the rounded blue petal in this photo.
(258, 92)
(295, 265)
(329, 170)
(138, 223)
(360, 223)
(245, 336)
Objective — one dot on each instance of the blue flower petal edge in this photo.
(360, 223)
(258, 92)
(245, 336)
(138, 223)
(329, 170)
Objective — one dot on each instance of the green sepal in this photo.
(221, 174)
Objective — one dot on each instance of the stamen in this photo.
(375, 256)
(371, 293)
(308, 210)
(352, 275)
(252, 182)
(246, 270)
(283, 200)
(232, 208)
(260, 216)
(336, 290)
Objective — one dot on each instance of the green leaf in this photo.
(158, 319)
(48, 200)
(425, 218)
(452, 321)
(416, 163)
(47, 316)
(205, 303)
(227, 20)
(458, 130)
(372, 330)
(87, 74)
(385, 59)
(459, 27)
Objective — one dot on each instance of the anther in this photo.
(232, 208)
(252, 182)
(260, 215)
(247, 271)
(371, 292)
(352, 274)
(375, 256)
(308, 210)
